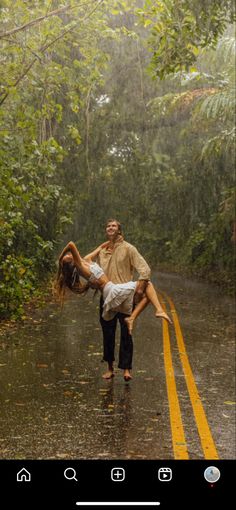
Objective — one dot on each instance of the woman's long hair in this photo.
(68, 278)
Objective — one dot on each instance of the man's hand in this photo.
(140, 291)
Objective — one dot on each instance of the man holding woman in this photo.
(113, 277)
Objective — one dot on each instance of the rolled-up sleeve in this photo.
(139, 264)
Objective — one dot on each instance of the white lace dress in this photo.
(118, 297)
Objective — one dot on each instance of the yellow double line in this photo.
(177, 429)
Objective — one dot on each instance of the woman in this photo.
(72, 266)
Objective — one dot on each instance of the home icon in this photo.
(23, 475)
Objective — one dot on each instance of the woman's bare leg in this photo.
(137, 310)
(152, 296)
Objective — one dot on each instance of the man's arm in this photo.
(140, 265)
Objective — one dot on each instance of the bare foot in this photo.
(127, 375)
(129, 324)
(163, 315)
(108, 375)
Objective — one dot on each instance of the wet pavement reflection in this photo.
(55, 404)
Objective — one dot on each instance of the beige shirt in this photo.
(120, 263)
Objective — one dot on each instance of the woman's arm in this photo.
(75, 253)
(64, 251)
(94, 253)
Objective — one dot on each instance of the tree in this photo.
(47, 66)
(179, 29)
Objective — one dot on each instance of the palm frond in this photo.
(224, 142)
(218, 106)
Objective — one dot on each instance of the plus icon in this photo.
(117, 474)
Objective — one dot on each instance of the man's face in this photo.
(112, 230)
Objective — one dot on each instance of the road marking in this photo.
(178, 436)
(206, 438)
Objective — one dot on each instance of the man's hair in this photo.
(113, 220)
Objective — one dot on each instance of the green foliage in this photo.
(85, 134)
(180, 29)
(18, 282)
(29, 197)
(209, 250)
(49, 59)
(154, 168)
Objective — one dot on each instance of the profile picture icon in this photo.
(212, 474)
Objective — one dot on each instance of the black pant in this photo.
(109, 333)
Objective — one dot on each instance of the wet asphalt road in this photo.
(55, 404)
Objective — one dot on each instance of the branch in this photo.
(35, 54)
(41, 18)
(45, 47)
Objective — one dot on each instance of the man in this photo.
(119, 260)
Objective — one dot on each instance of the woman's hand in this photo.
(104, 245)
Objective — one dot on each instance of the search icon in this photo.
(70, 474)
